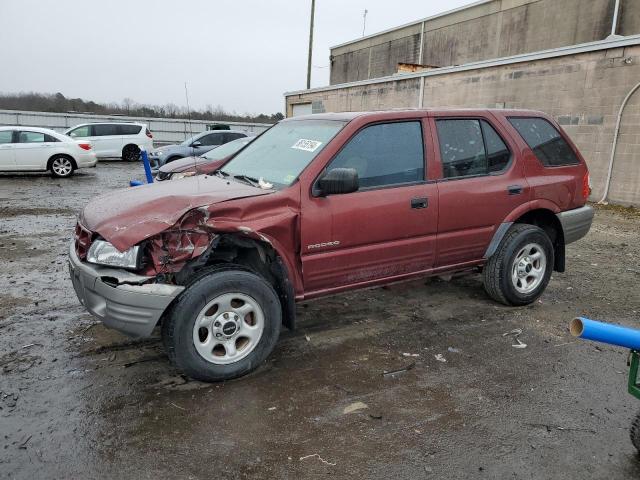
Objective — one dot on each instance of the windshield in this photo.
(280, 154)
(223, 151)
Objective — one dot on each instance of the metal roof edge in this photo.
(411, 24)
(524, 57)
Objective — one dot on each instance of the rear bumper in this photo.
(125, 303)
(86, 160)
(576, 223)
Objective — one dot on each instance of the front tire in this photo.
(61, 166)
(520, 270)
(223, 326)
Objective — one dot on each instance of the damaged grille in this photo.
(82, 241)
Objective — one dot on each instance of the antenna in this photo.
(364, 21)
(193, 150)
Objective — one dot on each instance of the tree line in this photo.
(58, 103)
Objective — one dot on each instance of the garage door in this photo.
(301, 109)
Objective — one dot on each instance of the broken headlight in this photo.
(103, 253)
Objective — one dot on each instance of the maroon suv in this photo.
(327, 203)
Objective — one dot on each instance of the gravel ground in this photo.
(80, 401)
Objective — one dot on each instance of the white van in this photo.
(114, 140)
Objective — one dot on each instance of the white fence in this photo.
(165, 130)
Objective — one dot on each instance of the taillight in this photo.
(149, 133)
(586, 186)
(85, 146)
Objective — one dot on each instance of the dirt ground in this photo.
(80, 401)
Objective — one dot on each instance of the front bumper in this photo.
(119, 298)
(576, 223)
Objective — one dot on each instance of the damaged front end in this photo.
(125, 301)
(132, 297)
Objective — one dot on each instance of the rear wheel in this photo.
(61, 166)
(223, 326)
(519, 271)
(131, 153)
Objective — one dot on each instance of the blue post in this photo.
(147, 165)
(605, 333)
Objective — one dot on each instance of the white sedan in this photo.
(40, 149)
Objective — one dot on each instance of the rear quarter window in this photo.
(545, 141)
(129, 129)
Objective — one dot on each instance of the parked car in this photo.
(327, 203)
(40, 149)
(206, 164)
(115, 140)
(195, 146)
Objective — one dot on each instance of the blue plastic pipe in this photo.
(605, 333)
(135, 183)
(147, 165)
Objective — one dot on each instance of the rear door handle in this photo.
(514, 189)
(419, 202)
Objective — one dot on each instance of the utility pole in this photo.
(313, 10)
(364, 21)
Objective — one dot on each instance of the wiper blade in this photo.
(249, 180)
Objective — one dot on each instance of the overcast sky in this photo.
(241, 54)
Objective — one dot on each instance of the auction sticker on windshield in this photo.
(306, 145)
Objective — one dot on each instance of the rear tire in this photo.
(635, 433)
(223, 326)
(61, 166)
(130, 153)
(520, 269)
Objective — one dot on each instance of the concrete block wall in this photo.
(583, 92)
(495, 29)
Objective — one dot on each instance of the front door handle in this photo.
(419, 202)
(514, 189)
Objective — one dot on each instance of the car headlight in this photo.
(103, 253)
(179, 175)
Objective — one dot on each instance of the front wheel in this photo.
(61, 167)
(223, 326)
(520, 269)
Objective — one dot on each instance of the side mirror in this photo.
(196, 144)
(337, 181)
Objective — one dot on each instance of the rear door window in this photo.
(129, 129)
(385, 154)
(545, 141)
(6, 136)
(105, 130)
(31, 137)
(470, 148)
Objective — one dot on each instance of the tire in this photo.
(520, 269)
(239, 318)
(130, 153)
(61, 166)
(635, 433)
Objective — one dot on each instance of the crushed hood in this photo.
(128, 216)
